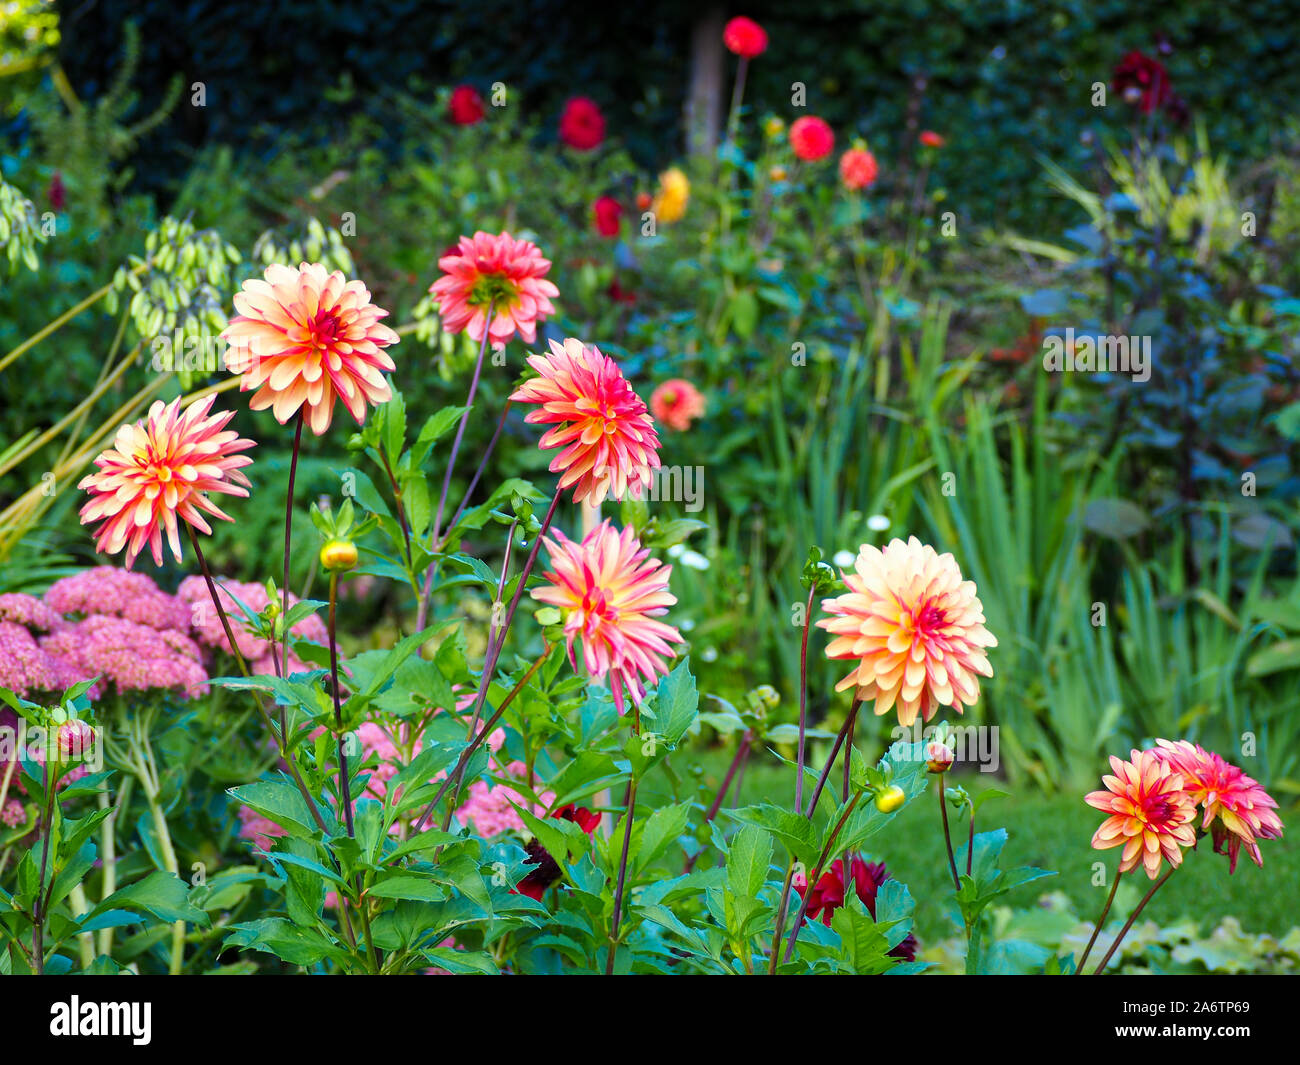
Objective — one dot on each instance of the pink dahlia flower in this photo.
(160, 469)
(858, 169)
(1150, 813)
(677, 403)
(582, 126)
(305, 338)
(496, 275)
(1237, 810)
(610, 592)
(744, 37)
(610, 444)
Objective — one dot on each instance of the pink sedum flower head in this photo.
(609, 440)
(1150, 814)
(496, 274)
(1237, 810)
(159, 469)
(610, 592)
(914, 628)
(307, 338)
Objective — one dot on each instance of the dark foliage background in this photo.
(1006, 79)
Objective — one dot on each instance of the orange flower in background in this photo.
(158, 470)
(1238, 811)
(677, 403)
(811, 138)
(914, 628)
(497, 274)
(305, 338)
(931, 139)
(610, 444)
(669, 204)
(858, 169)
(744, 37)
(610, 592)
(1150, 813)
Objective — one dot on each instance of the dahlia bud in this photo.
(890, 799)
(338, 555)
(643, 201)
(938, 756)
(777, 173)
(76, 739)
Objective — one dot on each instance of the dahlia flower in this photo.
(610, 591)
(1143, 81)
(811, 138)
(159, 469)
(610, 444)
(1150, 813)
(545, 869)
(607, 215)
(305, 338)
(498, 275)
(744, 37)
(858, 169)
(582, 126)
(669, 204)
(1237, 810)
(465, 108)
(828, 895)
(677, 403)
(914, 629)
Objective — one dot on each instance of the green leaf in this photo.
(748, 860)
(796, 832)
(660, 831)
(162, 894)
(281, 802)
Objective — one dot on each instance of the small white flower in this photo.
(877, 523)
(695, 560)
(709, 654)
(843, 559)
(686, 624)
(676, 550)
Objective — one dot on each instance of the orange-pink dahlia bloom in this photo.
(305, 338)
(160, 469)
(677, 403)
(1238, 811)
(1150, 814)
(610, 592)
(858, 169)
(609, 441)
(914, 629)
(496, 275)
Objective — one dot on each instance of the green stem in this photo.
(622, 878)
(288, 545)
(1078, 970)
(1131, 918)
(817, 874)
(947, 837)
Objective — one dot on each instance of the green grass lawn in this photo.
(1052, 832)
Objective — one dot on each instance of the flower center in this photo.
(492, 292)
(929, 619)
(324, 329)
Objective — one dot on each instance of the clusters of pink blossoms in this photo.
(258, 653)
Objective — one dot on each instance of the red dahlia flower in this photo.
(811, 138)
(465, 108)
(582, 126)
(744, 37)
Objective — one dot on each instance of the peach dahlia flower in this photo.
(496, 274)
(160, 469)
(677, 403)
(305, 338)
(914, 629)
(1238, 811)
(610, 592)
(610, 444)
(1150, 814)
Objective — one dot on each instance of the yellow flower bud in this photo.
(338, 555)
(890, 799)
